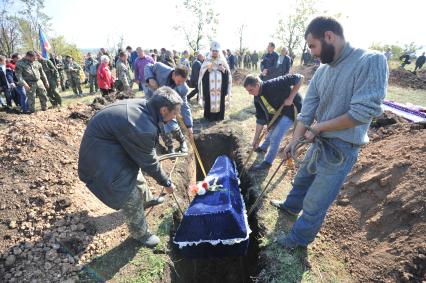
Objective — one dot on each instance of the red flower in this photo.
(205, 185)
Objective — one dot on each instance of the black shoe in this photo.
(280, 205)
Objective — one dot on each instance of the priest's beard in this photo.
(327, 52)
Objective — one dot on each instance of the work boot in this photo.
(153, 202)
(149, 240)
(286, 243)
(168, 141)
(264, 165)
(260, 150)
(181, 139)
(280, 205)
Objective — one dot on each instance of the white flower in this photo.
(201, 191)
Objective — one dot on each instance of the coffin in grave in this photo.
(215, 224)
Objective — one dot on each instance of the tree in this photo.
(291, 30)
(242, 49)
(32, 16)
(200, 23)
(396, 49)
(9, 31)
(61, 47)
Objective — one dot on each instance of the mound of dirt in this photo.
(99, 102)
(307, 71)
(406, 78)
(42, 234)
(379, 220)
(51, 226)
(422, 74)
(239, 75)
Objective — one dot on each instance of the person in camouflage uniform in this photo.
(31, 76)
(57, 61)
(123, 73)
(73, 73)
(53, 79)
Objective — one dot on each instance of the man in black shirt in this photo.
(268, 98)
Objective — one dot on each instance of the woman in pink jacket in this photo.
(105, 78)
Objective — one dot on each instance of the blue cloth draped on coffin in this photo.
(215, 224)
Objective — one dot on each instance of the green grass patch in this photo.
(407, 95)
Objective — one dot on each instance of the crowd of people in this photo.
(20, 84)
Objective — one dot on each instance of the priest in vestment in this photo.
(214, 84)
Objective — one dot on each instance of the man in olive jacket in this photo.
(118, 141)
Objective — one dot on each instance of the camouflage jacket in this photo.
(72, 69)
(29, 72)
(49, 69)
(123, 73)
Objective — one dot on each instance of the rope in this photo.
(319, 145)
(192, 141)
(257, 201)
(162, 190)
(171, 156)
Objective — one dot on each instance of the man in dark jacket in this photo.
(420, 62)
(6, 83)
(254, 59)
(118, 141)
(268, 98)
(268, 65)
(195, 73)
(232, 62)
(284, 62)
(405, 60)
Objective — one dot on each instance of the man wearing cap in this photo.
(214, 84)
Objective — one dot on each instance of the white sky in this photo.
(100, 23)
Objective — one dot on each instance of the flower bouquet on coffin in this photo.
(202, 187)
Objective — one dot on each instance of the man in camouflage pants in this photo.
(119, 143)
(59, 65)
(31, 76)
(52, 75)
(73, 73)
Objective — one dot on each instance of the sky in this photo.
(97, 23)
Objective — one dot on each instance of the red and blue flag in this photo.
(44, 44)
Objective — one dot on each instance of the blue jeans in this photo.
(274, 138)
(314, 193)
(20, 90)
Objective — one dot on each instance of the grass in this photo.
(407, 95)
